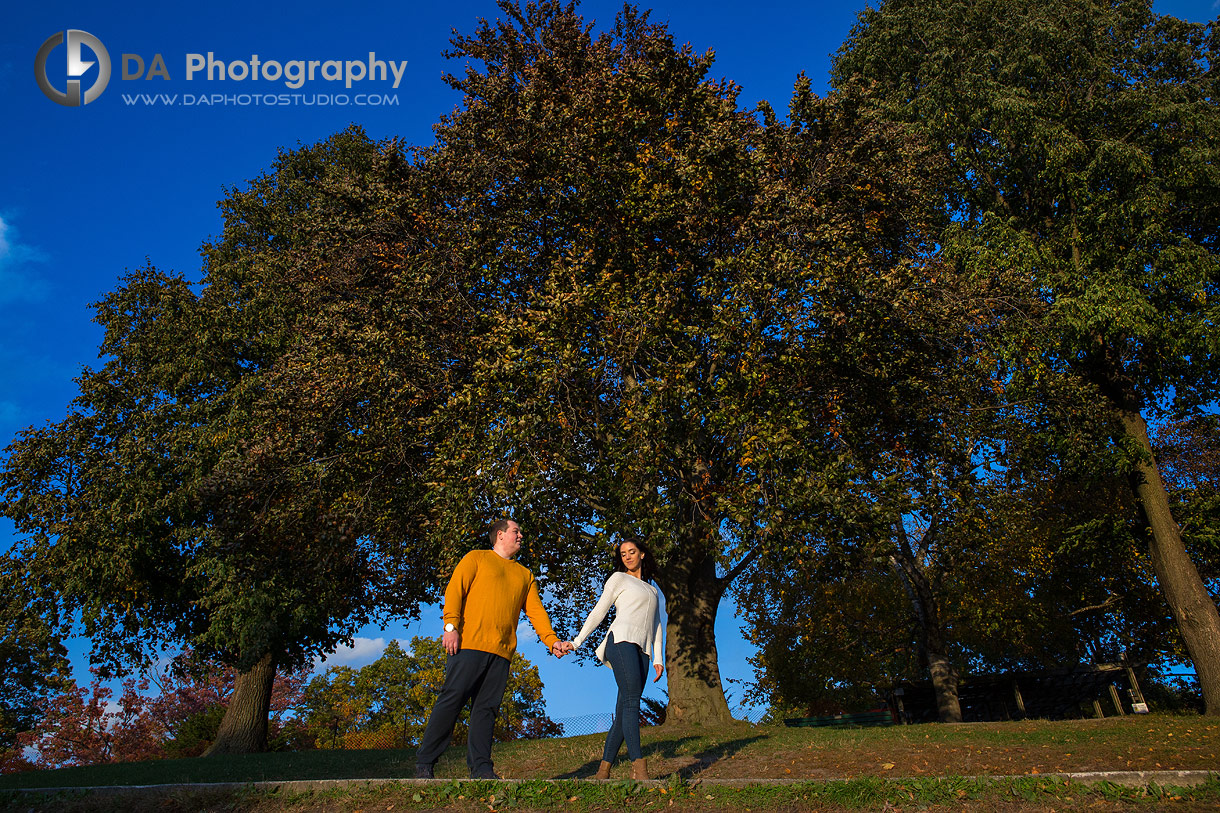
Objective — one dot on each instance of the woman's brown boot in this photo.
(639, 769)
(603, 771)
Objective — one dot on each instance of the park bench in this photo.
(856, 719)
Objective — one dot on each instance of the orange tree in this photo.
(1082, 137)
(673, 299)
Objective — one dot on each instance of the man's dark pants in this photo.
(468, 674)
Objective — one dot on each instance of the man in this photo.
(483, 603)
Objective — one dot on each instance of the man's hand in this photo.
(452, 642)
(561, 648)
(660, 670)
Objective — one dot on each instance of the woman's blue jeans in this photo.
(630, 666)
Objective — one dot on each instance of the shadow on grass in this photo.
(669, 749)
(710, 756)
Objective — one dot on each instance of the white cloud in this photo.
(17, 284)
(362, 652)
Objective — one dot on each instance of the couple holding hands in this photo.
(483, 602)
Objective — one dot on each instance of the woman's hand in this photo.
(660, 669)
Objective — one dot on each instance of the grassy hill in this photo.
(734, 767)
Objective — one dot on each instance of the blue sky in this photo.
(87, 192)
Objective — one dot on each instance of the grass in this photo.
(904, 767)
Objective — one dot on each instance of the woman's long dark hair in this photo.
(648, 566)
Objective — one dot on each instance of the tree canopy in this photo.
(676, 297)
(1081, 137)
(224, 481)
(835, 350)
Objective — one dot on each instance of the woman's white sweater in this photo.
(637, 616)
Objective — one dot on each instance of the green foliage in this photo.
(192, 735)
(33, 661)
(1081, 139)
(210, 485)
(1188, 451)
(677, 299)
(387, 703)
(1171, 694)
(1091, 142)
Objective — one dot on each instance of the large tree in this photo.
(1083, 138)
(667, 286)
(223, 480)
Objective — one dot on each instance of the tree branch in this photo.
(735, 571)
(1109, 602)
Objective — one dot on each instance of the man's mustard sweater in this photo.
(484, 600)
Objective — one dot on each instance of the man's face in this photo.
(508, 541)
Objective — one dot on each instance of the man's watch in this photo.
(450, 628)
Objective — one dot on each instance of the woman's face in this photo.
(630, 555)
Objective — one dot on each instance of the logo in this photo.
(76, 68)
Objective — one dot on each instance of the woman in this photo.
(634, 635)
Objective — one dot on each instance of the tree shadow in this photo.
(670, 749)
(585, 771)
(705, 758)
(665, 748)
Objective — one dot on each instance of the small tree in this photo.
(386, 704)
(83, 727)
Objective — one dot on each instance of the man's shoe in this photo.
(424, 772)
(487, 774)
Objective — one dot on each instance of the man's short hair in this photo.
(495, 528)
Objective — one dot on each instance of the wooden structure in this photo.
(1093, 690)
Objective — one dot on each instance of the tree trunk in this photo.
(931, 633)
(692, 596)
(243, 730)
(944, 683)
(1193, 609)
(944, 676)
